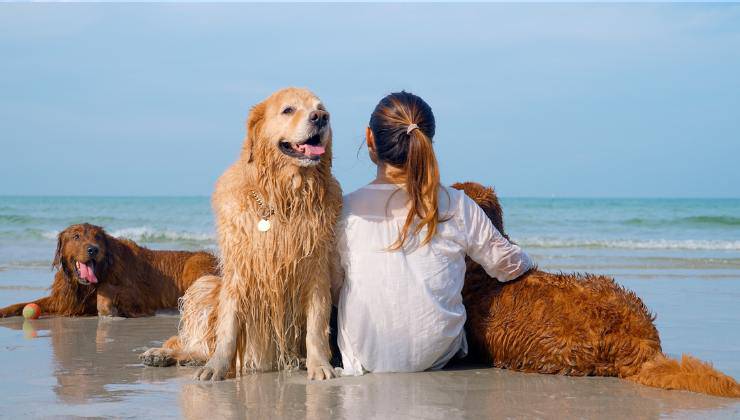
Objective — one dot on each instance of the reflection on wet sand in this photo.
(29, 330)
(474, 392)
(90, 353)
(93, 369)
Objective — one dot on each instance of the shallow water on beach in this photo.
(83, 367)
(682, 257)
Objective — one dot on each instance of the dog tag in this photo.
(264, 225)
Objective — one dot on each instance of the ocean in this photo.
(681, 256)
(635, 238)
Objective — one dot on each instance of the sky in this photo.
(546, 100)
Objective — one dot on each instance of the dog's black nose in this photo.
(92, 250)
(319, 118)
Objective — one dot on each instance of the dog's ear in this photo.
(57, 262)
(109, 251)
(486, 198)
(256, 115)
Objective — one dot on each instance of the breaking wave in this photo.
(697, 221)
(688, 244)
(152, 235)
(147, 234)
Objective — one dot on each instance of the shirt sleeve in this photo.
(485, 245)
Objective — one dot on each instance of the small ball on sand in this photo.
(31, 311)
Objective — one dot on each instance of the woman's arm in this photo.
(486, 246)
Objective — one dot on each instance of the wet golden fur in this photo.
(573, 324)
(133, 281)
(270, 308)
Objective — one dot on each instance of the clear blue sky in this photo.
(538, 100)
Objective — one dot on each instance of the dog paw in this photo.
(321, 372)
(191, 363)
(157, 357)
(212, 371)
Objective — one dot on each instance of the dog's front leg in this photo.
(317, 331)
(105, 301)
(106, 307)
(218, 365)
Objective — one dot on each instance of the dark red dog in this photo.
(98, 274)
(573, 324)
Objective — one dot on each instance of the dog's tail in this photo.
(690, 374)
(198, 312)
(196, 338)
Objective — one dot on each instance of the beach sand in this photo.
(89, 367)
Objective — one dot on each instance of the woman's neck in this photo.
(387, 174)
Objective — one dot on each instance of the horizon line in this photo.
(565, 197)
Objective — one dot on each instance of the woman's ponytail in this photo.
(403, 127)
(422, 185)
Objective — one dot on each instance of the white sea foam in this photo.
(688, 244)
(50, 234)
(150, 234)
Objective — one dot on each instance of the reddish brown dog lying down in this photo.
(98, 274)
(572, 324)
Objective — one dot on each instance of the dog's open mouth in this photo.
(310, 149)
(86, 272)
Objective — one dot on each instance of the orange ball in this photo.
(31, 311)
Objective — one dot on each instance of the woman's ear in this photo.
(256, 115)
(369, 138)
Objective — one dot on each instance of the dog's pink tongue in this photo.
(311, 150)
(86, 272)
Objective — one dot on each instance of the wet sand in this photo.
(86, 367)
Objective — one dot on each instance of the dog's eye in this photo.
(288, 110)
(76, 236)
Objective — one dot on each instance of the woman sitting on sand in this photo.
(403, 239)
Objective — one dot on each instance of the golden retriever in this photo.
(275, 209)
(572, 324)
(98, 274)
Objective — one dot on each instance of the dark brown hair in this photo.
(409, 149)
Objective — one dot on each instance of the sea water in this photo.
(635, 238)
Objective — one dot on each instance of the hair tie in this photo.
(411, 128)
